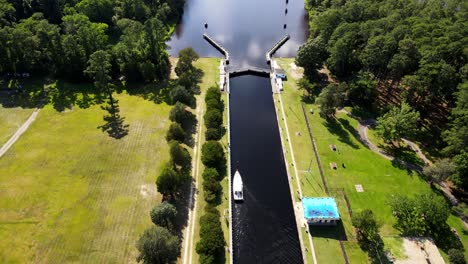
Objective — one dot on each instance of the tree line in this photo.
(400, 59)
(211, 245)
(161, 243)
(57, 37)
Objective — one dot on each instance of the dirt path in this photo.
(192, 215)
(19, 132)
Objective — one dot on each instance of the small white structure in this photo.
(237, 187)
(279, 84)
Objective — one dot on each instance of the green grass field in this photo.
(71, 193)
(11, 119)
(378, 177)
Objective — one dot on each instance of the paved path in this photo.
(19, 132)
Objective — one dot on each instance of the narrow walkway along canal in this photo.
(264, 227)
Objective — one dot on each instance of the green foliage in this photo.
(367, 225)
(311, 56)
(461, 175)
(330, 98)
(186, 57)
(397, 123)
(207, 259)
(182, 95)
(211, 235)
(164, 214)
(456, 256)
(97, 10)
(7, 13)
(175, 132)
(368, 234)
(211, 174)
(422, 215)
(414, 50)
(213, 93)
(457, 136)
(440, 170)
(213, 118)
(213, 155)
(213, 134)
(98, 69)
(158, 246)
(132, 9)
(308, 87)
(180, 114)
(180, 157)
(168, 181)
(363, 91)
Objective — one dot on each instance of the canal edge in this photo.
(228, 95)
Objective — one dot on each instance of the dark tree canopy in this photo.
(158, 246)
(213, 155)
(164, 214)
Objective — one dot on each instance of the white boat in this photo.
(237, 187)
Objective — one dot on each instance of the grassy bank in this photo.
(210, 78)
(379, 177)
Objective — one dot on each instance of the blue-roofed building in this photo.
(320, 210)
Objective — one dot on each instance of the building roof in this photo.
(320, 208)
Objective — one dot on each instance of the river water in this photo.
(264, 228)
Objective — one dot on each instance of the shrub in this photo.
(212, 190)
(168, 181)
(180, 157)
(215, 104)
(213, 134)
(211, 174)
(213, 93)
(180, 114)
(207, 259)
(456, 256)
(180, 94)
(164, 214)
(175, 132)
(213, 155)
(158, 245)
(211, 236)
(213, 118)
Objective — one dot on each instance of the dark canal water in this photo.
(264, 228)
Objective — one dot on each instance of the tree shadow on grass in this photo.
(154, 92)
(403, 153)
(25, 94)
(341, 129)
(114, 125)
(183, 203)
(336, 232)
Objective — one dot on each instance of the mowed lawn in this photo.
(69, 193)
(378, 177)
(11, 119)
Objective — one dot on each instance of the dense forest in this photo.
(384, 53)
(56, 38)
